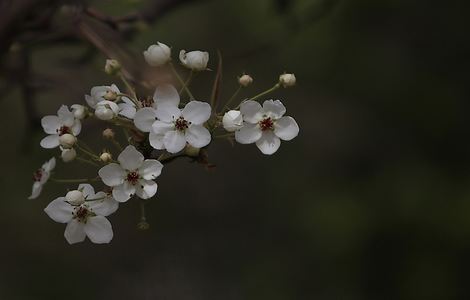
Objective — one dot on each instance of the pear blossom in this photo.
(84, 212)
(157, 55)
(102, 93)
(106, 110)
(194, 60)
(232, 120)
(41, 176)
(265, 125)
(164, 94)
(56, 126)
(133, 175)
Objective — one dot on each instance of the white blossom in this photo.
(133, 175)
(41, 176)
(84, 215)
(102, 93)
(56, 126)
(265, 125)
(194, 60)
(106, 110)
(232, 120)
(157, 55)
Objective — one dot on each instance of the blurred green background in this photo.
(370, 201)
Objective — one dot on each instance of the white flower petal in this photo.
(160, 128)
(91, 101)
(59, 210)
(286, 128)
(49, 165)
(156, 141)
(36, 191)
(130, 159)
(198, 136)
(74, 232)
(103, 207)
(248, 134)
(87, 190)
(174, 141)
(76, 127)
(50, 141)
(127, 110)
(51, 124)
(268, 143)
(146, 189)
(112, 174)
(166, 94)
(150, 169)
(66, 117)
(144, 119)
(251, 111)
(99, 230)
(197, 112)
(123, 192)
(168, 112)
(274, 109)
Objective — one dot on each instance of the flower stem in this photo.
(181, 82)
(87, 161)
(73, 180)
(224, 135)
(227, 107)
(92, 155)
(188, 81)
(131, 90)
(275, 87)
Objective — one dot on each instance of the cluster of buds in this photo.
(156, 132)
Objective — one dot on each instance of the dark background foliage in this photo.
(371, 201)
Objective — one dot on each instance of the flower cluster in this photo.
(159, 129)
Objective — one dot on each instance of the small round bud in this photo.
(194, 60)
(245, 80)
(191, 151)
(68, 154)
(112, 67)
(67, 140)
(143, 225)
(108, 133)
(75, 197)
(106, 157)
(106, 110)
(232, 120)
(287, 80)
(157, 55)
(79, 111)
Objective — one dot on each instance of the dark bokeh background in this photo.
(371, 201)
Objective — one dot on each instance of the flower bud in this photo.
(245, 80)
(157, 55)
(194, 60)
(287, 80)
(108, 133)
(191, 151)
(78, 111)
(106, 157)
(68, 154)
(106, 110)
(75, 197)
(232, 120)
(112, 67)
(67, 140)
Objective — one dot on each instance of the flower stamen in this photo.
(133, 177)
(266, 124)
(181, 124)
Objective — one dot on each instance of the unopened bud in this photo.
(108, 133)
(68, 154)
(79, 111)
(106, 157)
(143, 225)
(75, 197)
(245, 80)
(67, 140)
(287, 80)
(112, 67)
